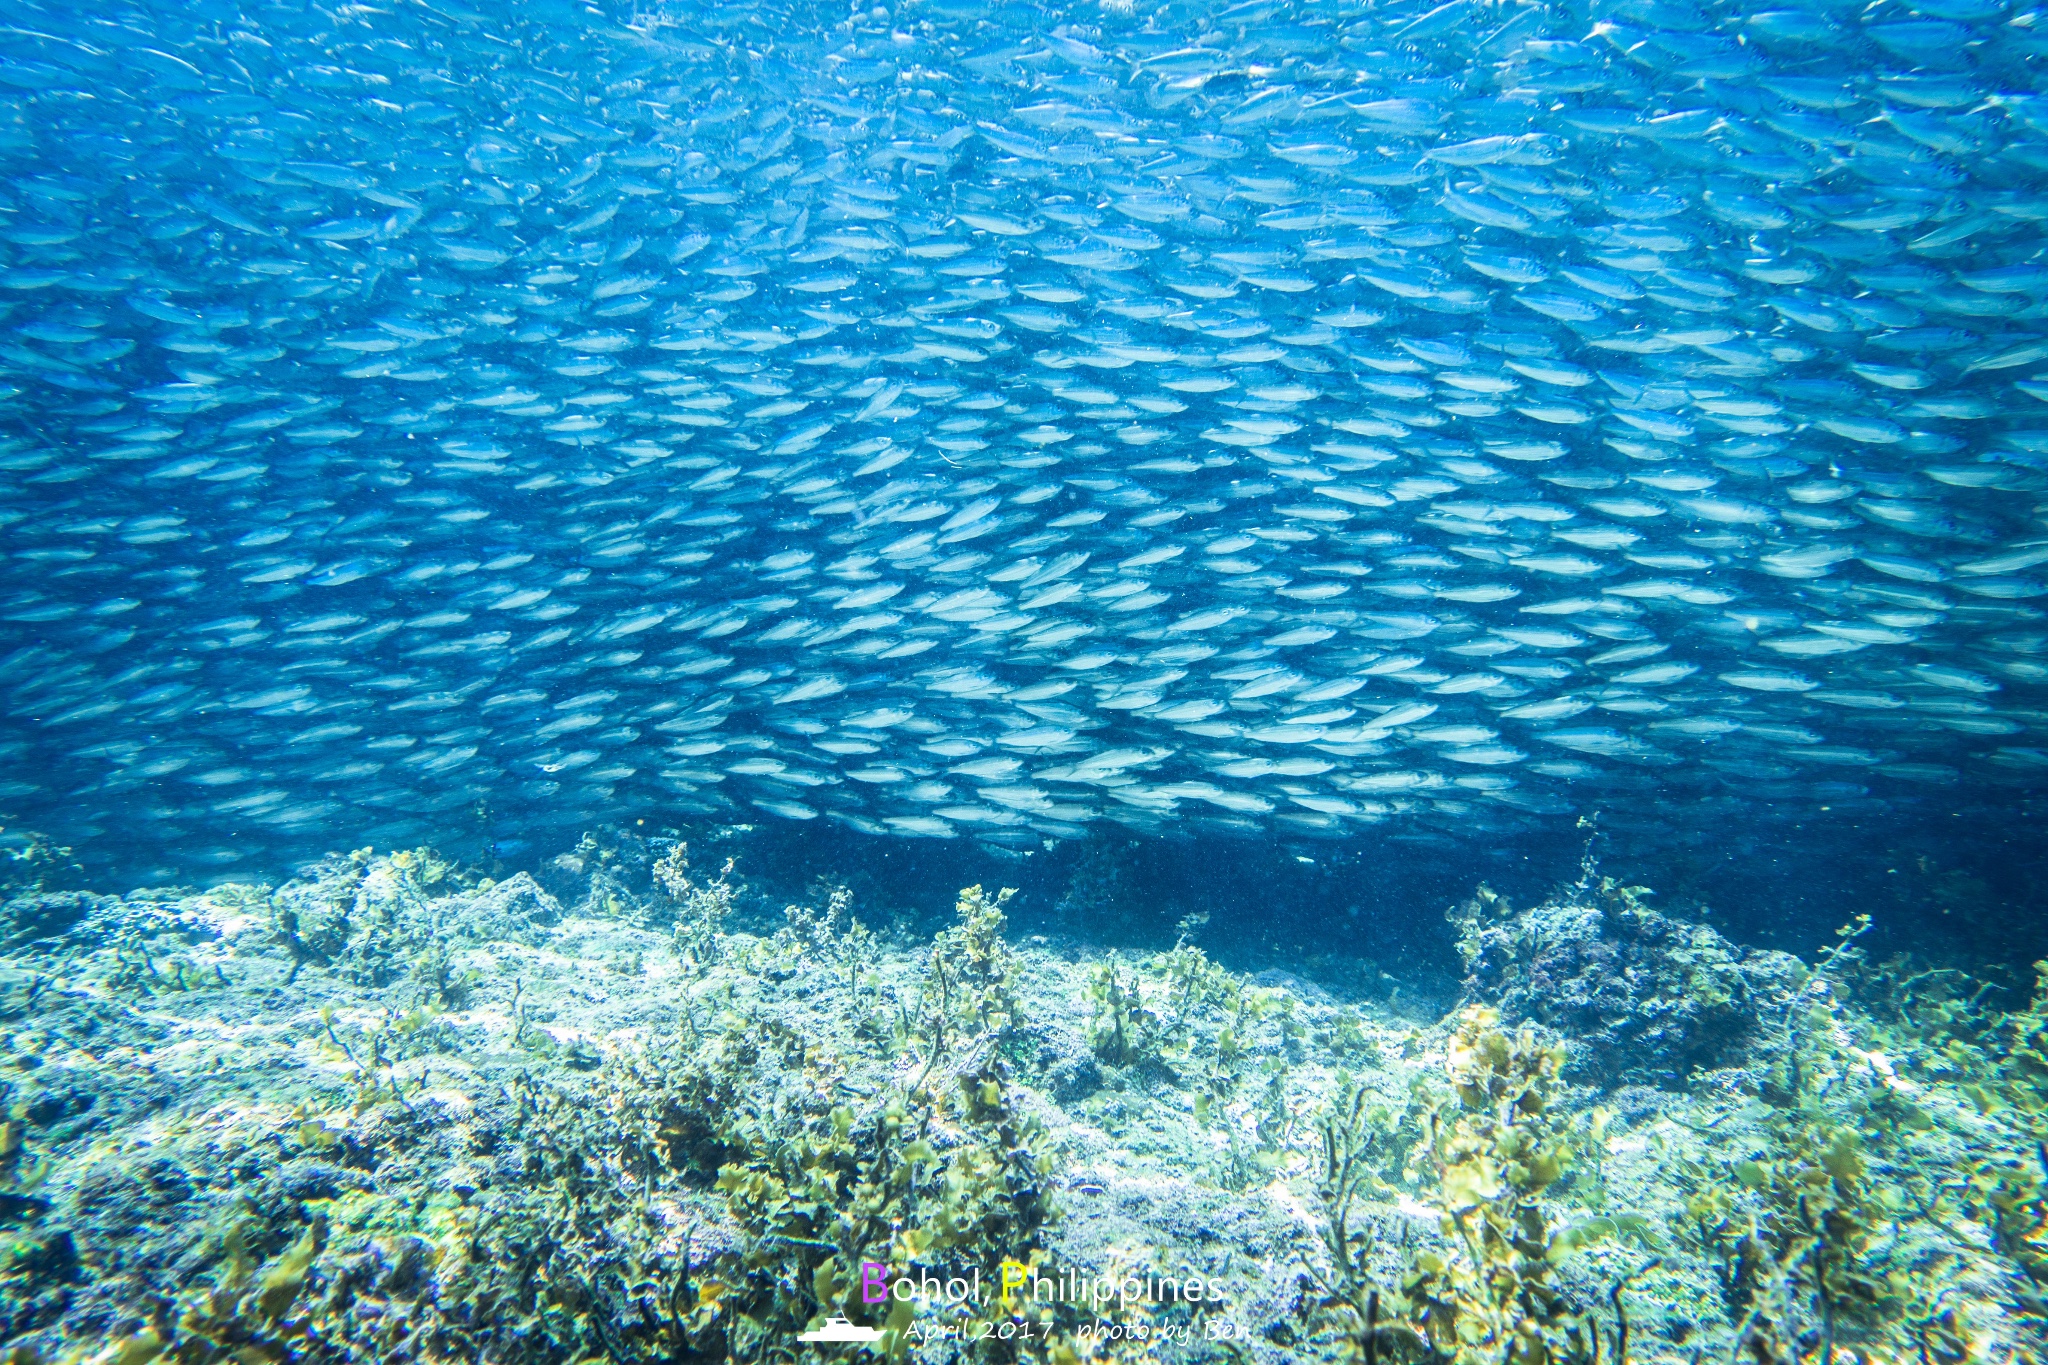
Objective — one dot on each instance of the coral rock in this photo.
(1644, 997)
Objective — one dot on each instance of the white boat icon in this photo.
(837, 1328)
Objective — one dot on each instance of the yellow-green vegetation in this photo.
(701, 907)
(1146, 1015)
(711, 1191)
(1903, 1158)
(25, 1252)
(1497, 1151)
(2008, 1190)
(944, 1182)
(1181, 1017)
(1125, 1028)
(137, 969)
(1351, 1310)
(614, 864)
(967, 994)
(1797, 1239)
(598, 1141)
(829, 930)
(365, 916)
(31, 860)
(1894, 1172)
(1950, 1098)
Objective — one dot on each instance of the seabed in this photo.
(632, 1110)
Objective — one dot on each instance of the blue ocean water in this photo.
(1335, 426)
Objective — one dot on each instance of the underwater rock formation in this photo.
(1645, 997)
(395, 1112)
(33, 915)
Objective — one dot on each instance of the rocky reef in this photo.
(629, 1109)
(1646, 997)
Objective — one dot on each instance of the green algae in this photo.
(670, 1124)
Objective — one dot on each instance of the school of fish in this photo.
(986, 421)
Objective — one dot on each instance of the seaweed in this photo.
(702, 908)
(707, 1196)
(31, 861)
(1125, 1028)
(1493, 1296)
(369, 919)
(1813, 1236)
(1132, 1025)
(1799, 1254)
(1364, 1320)
(703, 1178)
(967, 992)
(1492, 1153)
